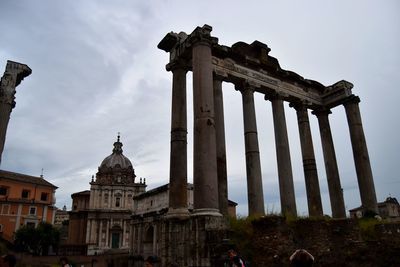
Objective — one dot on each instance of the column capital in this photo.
(298, 106)
(13, 75)
(244, 87)
(178, 64)
(201, 35)
(321, 112)
(353, 99)
(219, 76)
(273, 96)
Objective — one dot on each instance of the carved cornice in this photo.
(15, 72)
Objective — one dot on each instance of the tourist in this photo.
(150, 261)
(301, 258)
(235, 259)
(64, 262)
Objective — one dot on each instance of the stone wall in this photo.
(331, 242)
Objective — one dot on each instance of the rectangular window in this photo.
(5, 209)
(3, 191)
(25, 194)
(31, 224)
(32, 211)
(117, 202)
(44, 196)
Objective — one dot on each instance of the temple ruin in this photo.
(252, 70)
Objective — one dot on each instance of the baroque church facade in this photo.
(100, 218)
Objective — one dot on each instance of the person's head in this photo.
(232, 253)
(301, 258)
(63, 260)
(150, 261)
(8, 260)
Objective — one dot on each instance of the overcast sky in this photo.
(96, 71)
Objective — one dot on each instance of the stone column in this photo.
(205, 176)
(100, 233)
(332, 172)
(108, 233)
(88, 230)
(91, 198)
(309, 165)
(360, 154)
(178, 157)
(286, 186)
(13, 75)
(253, 165)
(93, 232)
(221, 149)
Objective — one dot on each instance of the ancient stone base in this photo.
(188, 242)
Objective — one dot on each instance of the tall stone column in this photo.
(361, 156)
(221, 149)
(15, 72)
(332, 172)
(253, 165)
(286, 186)
(178, 157)
(309, 165)
(205, 176)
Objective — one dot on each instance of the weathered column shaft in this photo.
(286, 186)
(205, 176)
(15, 72)
(309, 165)
(178, 156)
(253, 165)
(221, 149)
(5, 111)
(361, 156)
(332, 172)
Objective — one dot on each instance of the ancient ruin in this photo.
(252, 70)
(13, 75)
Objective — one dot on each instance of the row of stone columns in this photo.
(209, 161)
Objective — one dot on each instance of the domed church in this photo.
(100, 218)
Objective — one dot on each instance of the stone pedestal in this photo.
(309, 165)
(332, 172)
(253, 165)
(361, 156)
(286, 186)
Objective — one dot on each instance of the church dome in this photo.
(116, 159)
